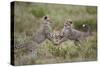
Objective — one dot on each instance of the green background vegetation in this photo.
(27, 19)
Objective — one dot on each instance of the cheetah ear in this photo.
(71, 22)
(45, 17)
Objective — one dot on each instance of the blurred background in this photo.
(28, 18)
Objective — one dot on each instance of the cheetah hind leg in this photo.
(78, 44)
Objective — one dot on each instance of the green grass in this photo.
(28, 17)
(69, 52)
(38, 11)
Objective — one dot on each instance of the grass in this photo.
(28, 18)
(69, 52)
(38, 11)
